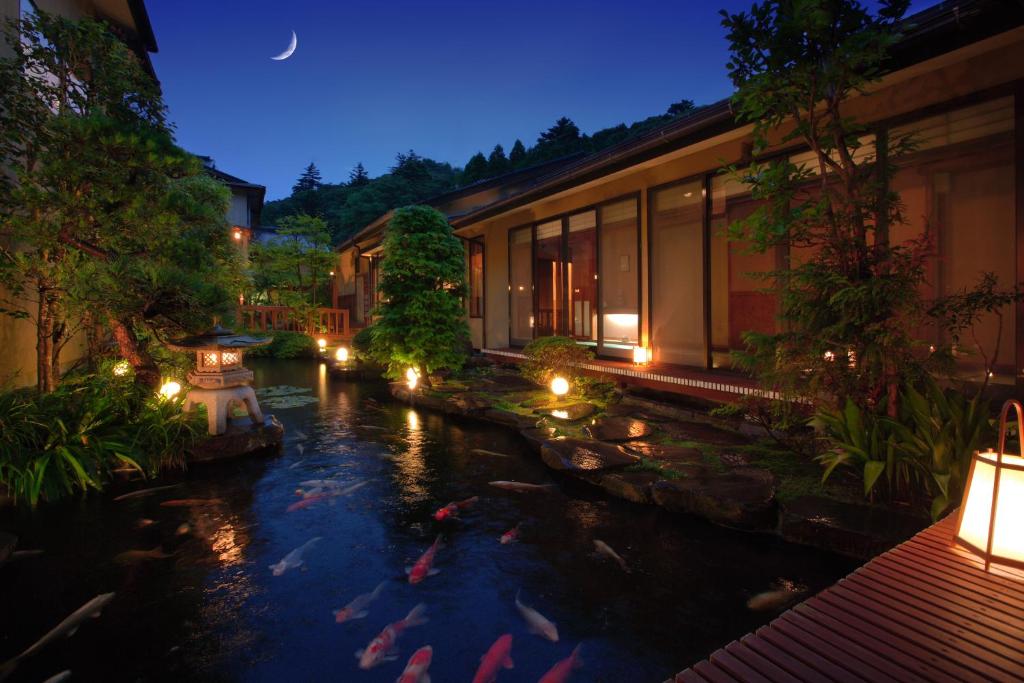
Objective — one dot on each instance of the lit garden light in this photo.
(170, 389)
(989, 523)
(121, 368)
(238, 234)
(559, 386)
(412, 378)
(641, 356)
(322, 343)
(341, 355)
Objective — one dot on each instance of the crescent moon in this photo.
(291, 48)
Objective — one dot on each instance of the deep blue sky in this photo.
(446, 78)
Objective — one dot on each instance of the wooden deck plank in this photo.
(736, 667)
(761, 663)
(782, 658)
(711, 673)
(847, 665)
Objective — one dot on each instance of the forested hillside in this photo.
(348, 206)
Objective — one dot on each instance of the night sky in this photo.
(447, 79)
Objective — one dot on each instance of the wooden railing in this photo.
(331, 323)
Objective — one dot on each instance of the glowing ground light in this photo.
(170, 389)
(322, 343)
(341, 355)
(121, 368)
(412, 378)
(559, 386)
(640, 355)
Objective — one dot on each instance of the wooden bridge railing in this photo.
(331, 323)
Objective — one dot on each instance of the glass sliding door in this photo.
(581, 277)
(619, 280)
(520, 280)
(678, 331)
(548, 283)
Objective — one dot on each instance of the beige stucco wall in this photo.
(983, 66)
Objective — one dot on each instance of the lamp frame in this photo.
(986, 553)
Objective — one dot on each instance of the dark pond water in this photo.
(215, 611)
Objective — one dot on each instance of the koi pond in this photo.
(207, 587)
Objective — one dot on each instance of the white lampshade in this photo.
(993, 504)
(559, 386)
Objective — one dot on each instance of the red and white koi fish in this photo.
(560, 672)
(423, 567)
(498, 657)
(416, 669)
(510, 536)
(310, 501)
(536, 622)
(357, 608)
(452, 509)
(382, 648)
(520, 487)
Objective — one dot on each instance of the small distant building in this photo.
(246, 204)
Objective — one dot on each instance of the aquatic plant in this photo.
(72, 439)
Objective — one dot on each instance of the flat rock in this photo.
(618, 428)
(569, 413)
(666, 455)
(625, 410)
(508, 418)
(742, 498)
(242, 438)
(584, 455)
(467, 403)
(536, 436)
(859, 531)
(703, 433)
(508, 382)
(632, 486)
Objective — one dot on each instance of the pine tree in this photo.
(681, 108)
(518, 154)
(309, 180)
(358, 177)
(559, 140)
(476, 169)
(497, 162)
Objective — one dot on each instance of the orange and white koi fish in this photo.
(536, 622)
(423, 567)
(357, 608)
(498, 657)
(510, 536)
(309, 501)
(452, 509)
(560, 672)
(382, 648)
(520, 487)
(416, 669)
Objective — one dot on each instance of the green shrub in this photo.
(70, 440)
(921, 456)
(547, 357)
(362, 343)
(286, 345)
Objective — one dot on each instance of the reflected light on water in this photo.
(321, 384)
(411, 471)
(224, 543)
(414, 421)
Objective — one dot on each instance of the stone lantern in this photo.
(219, 380)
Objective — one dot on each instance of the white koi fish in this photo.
(357, 608)
(536, 622)
(294, 558)
(382, 648)
(606, 550)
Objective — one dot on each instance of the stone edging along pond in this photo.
(613, 456)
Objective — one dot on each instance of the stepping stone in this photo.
(536, 436)
(703, 433)
(466, 403)
(626, 410)
(742, 498)
(665, 455)
(569, 413)
(584, 455)
(631, 486)
(508, 382)
(508, 418)
(618, 429)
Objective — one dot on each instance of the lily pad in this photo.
(282, 402)
(281, 390)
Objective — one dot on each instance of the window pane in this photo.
(520, 286)
(581, 273)
(677, 269)
(476, 279)
(548, 278)
(620, 296)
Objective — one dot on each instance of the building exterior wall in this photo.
(990, 71)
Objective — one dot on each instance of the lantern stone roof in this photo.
(217, 338)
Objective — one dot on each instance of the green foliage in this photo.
(921, 455)
(309, 180)
(362, 343)
(285, 345)
(69, 441)
(476, 169)
(293, 269)
(547, 357)
(422, 321)
(358, 177)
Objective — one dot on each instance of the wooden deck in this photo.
(719, 386)
(924, 611)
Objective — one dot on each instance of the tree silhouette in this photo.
(358, 177)
(476, 169)
(518, 154)
(309, 180)
(497, 162)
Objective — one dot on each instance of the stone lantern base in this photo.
(242, 437)
(218, 405)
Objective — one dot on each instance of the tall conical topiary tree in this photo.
(421, 322)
